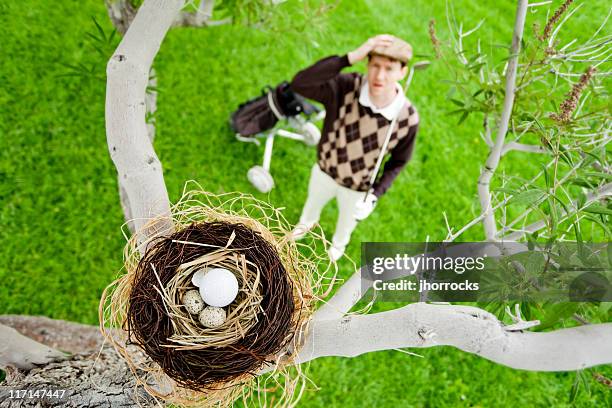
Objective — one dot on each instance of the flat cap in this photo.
(398, 50)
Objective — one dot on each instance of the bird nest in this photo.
(186, 362)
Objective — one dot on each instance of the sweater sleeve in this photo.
(320, 81)
(400, 156)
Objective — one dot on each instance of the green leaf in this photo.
(605, 176)
(527, 198)
(578, 234)
(112, 36)
(457, 102)
(556, 313)
(505, 190)
(476, 67)
(532, 240)
(546, 177)
(463, 118)
(581, 199)
(455, 111)
(604, 307)
(100, 29)
(553, 105)
(592, 156)
(582, 182)
(560, 202)
(598, 209)
(575, 389)
(565, 156)
(585, 378)
(94, 38)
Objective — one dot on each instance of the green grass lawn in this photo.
(60, 218)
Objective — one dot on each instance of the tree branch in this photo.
(126, 129)
(495, 154)
(343, 300)
(468, 328)
(121, 14)
(522, 148)
(202, 17)
(22, 352)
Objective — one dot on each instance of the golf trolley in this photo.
(277, 112)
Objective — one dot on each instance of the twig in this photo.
(543, 3)
(603, 191)
(528, 211)
(508, 147)
(500, 204)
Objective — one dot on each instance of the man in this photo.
(359, 110)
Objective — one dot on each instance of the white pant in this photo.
(321, 189)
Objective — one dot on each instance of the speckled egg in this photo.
(192, 300)
(212, 317)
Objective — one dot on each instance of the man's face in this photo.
(383, 73)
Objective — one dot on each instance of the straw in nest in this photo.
(188, 364)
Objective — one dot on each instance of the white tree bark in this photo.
(121, 13)
(468, 328)
(151, 106)
(521, 147)
(496, 151)
(130, 148)
(202, 17)
(343, 300)
(333, 333)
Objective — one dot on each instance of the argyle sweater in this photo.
(353, 134)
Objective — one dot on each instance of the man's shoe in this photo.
(335, 253)
(300, 231)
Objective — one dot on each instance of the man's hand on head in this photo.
(382, 40)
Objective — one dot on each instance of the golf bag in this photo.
(262, 113)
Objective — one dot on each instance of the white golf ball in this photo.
(212, 317)
(218, 287)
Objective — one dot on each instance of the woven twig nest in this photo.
(188, 363)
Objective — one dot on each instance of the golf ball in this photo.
(218, 287)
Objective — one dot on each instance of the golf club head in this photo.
(421, 65)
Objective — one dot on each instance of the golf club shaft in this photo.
(383, 149)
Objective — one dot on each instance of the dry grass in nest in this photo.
(187, 363)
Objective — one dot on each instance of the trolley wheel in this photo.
(261, 179)
(311, 133)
